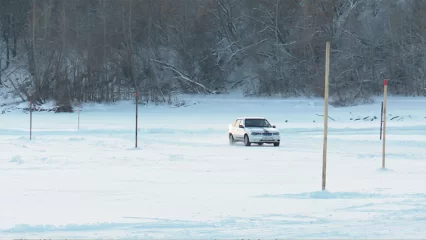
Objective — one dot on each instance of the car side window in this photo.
(236, 123)
(266, 123)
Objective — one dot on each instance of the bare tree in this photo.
(99, 50)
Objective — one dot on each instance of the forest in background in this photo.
(75, 51)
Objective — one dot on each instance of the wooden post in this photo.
(136, 129)
(31, 119)
(327, 75)
(385, 83)
(381, 121)
(78, 124)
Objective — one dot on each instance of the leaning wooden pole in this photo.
(327, 75)
(385, 96)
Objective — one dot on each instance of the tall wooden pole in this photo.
(31, 119)
(384, 122)
(78, 124)
(136, 129)
(327, 75)
(381, 121)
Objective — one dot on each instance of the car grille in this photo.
(267, 134)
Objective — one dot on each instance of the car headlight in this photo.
(256, 134)
(276, 133)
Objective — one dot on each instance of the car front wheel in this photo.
(231, 139)
(247, 141)
(276, 144)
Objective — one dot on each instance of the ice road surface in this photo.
(185, 181)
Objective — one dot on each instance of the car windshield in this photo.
(257, 123)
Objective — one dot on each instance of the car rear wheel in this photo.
(247, 141)
(231, 139)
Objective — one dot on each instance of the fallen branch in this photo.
(168, 66)
(323, 116)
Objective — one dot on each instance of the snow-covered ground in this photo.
(185, 181)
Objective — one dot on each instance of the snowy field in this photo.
(185, 181)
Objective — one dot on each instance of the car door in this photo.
(233, 128)
(239, 132)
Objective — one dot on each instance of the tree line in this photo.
(105, 50)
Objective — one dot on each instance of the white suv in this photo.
(253, 130)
